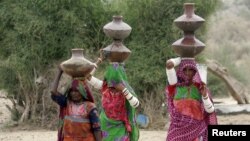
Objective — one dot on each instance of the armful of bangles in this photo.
(55, 83)
(133, 101)
(170, 71)
(208, 105)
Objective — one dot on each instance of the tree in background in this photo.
(37, 34)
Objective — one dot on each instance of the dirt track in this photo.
(51, 136)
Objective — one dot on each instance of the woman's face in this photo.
(189, 72)
(75, 96)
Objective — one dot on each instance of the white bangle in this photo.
(133, 101)
(93, 71)
(176, 61)
(205, 97)
(171, 74)
(208, 105)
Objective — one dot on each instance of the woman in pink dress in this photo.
(189, 102)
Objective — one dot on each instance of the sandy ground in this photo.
(51, 136)
(45, 135)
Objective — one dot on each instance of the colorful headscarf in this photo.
(182, 78)
(82, 87)
(115, 74)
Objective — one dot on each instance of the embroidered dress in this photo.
(117, 117)
(188, 102)
(77, 125)
(77, 122)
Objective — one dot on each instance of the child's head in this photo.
(75, 96)
(79, 92)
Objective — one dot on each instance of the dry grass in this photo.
(154, 107)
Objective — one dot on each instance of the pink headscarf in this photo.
(182, 78)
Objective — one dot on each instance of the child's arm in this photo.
(56, 82)
(55, 95)
(98, 135)
(95, 123)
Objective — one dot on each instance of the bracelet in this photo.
(125, 89)
(136, 104)
(205, 97)
(95, 66)
(99, 59)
